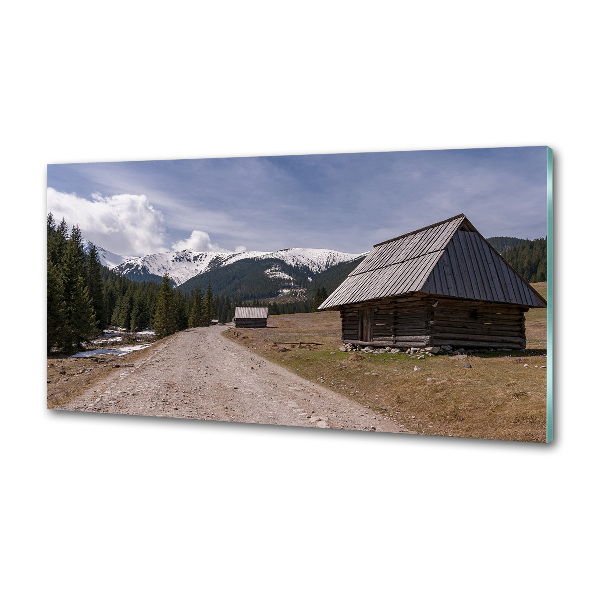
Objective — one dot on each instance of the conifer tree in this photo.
(140, 314)
(75, 244)
(55, 308)
(63, 229)
(135, 322)
(80, 321)
(209, 307)
(57, 240)
(110, 301)
(165, 322)
(196, 316)
(125, 308)
(181, 315)
(224, 309)
(95, 285)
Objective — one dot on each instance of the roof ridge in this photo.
(461, 215)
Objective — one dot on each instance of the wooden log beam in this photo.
(480, 327)
(475, 316)
(493, 339)
(445, 303)
(477, 334)
(477, 322)
(435, 341)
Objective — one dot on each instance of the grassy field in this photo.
(502, 395)
(535, 321)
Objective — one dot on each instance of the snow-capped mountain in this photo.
(315, 260)
(180, 266)
(107, 258)
(183, 265)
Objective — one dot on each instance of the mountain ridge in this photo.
(283, 268)
(183, 265)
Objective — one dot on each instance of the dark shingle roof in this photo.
(449, 258)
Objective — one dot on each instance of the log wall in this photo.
(250, 322)
(415, 322)
(397, 322)
(478, 324)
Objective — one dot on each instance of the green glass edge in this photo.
(550, 313)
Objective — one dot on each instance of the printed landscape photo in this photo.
(400, 292)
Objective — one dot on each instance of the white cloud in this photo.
(199, 241)
(125, 223)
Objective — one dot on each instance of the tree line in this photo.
(289, 306)
(502, 244)
(84, 297)
(529, 259)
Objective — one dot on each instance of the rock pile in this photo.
(428, 351)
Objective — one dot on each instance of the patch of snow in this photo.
(275, 272)
(146, 332)
(299, 292)
(117, 351)
(108, 340)
(111, 333)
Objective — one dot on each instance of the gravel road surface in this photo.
(199, 374)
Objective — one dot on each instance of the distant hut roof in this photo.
(251, 312)
(450, 258)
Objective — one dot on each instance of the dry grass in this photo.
(503, 395)
(535, 321)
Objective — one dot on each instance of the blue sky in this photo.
(344, 202)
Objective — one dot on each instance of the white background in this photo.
(111, 507)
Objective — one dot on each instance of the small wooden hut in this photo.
(440, 285)
(250, 316)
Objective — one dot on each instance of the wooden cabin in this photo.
(442, 285)
(250, 316)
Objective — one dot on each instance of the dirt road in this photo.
(199, 374)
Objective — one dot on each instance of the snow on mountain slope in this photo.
(181, 265)
(106, 258)
(185, 264)
(275, 272)
(315, 259)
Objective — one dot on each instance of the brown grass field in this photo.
(503, 395)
